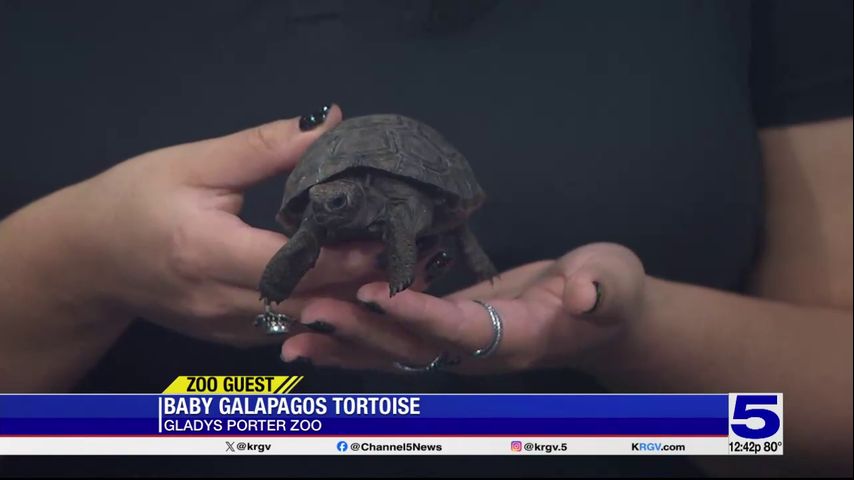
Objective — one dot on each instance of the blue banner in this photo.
(343, 414)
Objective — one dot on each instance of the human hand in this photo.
(158, 235)
(554, 313)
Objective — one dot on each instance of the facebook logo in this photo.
(342, 446)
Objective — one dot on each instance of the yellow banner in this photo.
(232, 384)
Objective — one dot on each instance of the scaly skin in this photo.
(366, 205)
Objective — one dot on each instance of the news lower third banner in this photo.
(260, 415)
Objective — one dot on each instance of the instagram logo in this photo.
(515, 446)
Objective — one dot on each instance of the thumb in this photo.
(604, 282)
(241, 159)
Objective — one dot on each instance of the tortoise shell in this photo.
(393, 144)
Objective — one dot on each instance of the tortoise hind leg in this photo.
(401, 253)
(289, 264)
(473, 255)
(409, 211)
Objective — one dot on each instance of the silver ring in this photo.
(442, 360)
(273, 323)
(497, 328)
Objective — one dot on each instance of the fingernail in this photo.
(372, 306)
(312, 120)
(299, 362)
(320, 326)
(598, 288)
(437, 266)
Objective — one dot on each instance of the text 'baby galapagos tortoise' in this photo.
(383, 177)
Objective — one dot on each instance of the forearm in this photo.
(54, 323)
(693, 339)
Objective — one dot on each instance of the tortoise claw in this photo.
(269, 294)
(398, 286)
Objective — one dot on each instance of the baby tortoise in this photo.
(383, 177)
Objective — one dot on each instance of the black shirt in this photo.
(623, 121)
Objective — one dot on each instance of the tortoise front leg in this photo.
(290, 264)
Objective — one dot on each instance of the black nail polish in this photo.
(437, 266)
(598, 301)
(301, 362)
(372, 307)
(310, 121)
(320, 326)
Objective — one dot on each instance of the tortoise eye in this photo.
(337, 202)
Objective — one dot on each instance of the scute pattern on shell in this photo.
(392, 143)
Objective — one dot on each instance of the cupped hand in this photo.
(555, 313)
(159, 235)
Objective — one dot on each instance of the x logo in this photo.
(229, 446)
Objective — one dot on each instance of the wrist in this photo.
(58, 262)
(56, 319)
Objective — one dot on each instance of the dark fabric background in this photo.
(632, 122)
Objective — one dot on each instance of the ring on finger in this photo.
(441, 361)
(497, 331)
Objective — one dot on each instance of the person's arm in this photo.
(157, 237)
(54, 324)
(796, 338)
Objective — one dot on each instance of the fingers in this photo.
(434, 262)
(509, 285)
(225, 248)
(340, 270)
(225, 303)
(583, 295)
(236, 253)
(346, 264)
(362, 339)
(236, 333)
(325, 351)
(538, 307)
(603, 282)
(238, 160)
(356, 325)
(223, 314)
(462, 324)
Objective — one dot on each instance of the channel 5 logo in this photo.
(515, 446)
(756, 416)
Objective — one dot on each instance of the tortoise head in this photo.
(342, 203)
